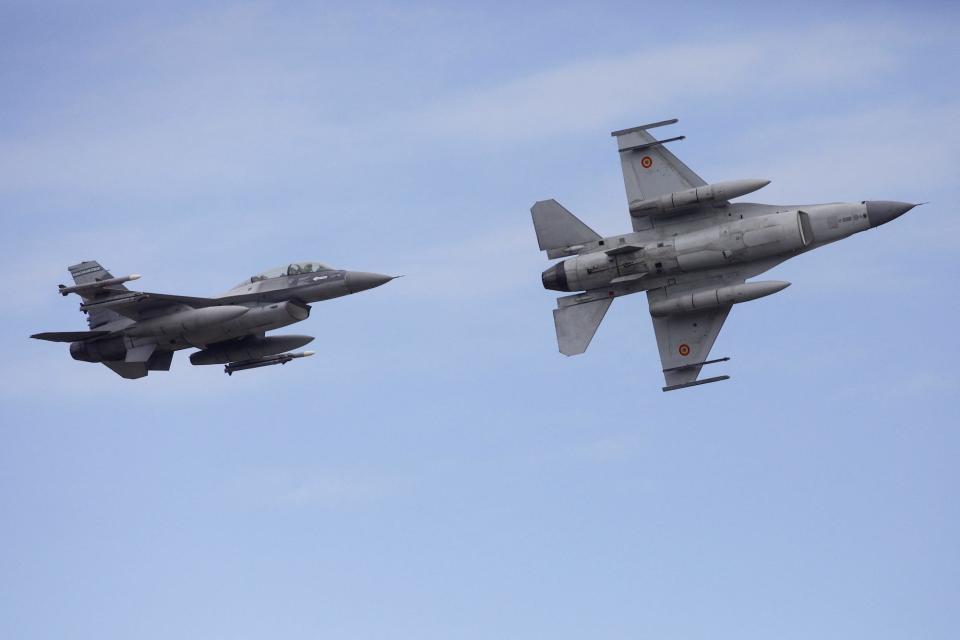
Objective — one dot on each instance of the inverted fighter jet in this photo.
(691, 250)
(134, 332)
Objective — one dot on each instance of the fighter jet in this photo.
(691, 250)
(134, 332)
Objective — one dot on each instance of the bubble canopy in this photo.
(292, 269)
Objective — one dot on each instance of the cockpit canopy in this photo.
(292, 269)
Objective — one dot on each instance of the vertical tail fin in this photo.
(89, 271)
(85, 273)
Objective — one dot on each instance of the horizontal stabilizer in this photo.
(557, 228)
(69, 336)
(577, 324)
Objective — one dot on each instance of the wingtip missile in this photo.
(98, 284)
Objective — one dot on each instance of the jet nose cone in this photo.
(361, 280)
(883, 211)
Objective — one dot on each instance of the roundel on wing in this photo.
(646, 162)
(684, 350)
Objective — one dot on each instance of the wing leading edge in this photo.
(685, 339)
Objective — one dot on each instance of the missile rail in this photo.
(696, 383)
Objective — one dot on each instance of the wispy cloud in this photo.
(901, 150)
(215, 117)
(585, 96)
(256, 121)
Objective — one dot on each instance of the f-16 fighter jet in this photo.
(691, 250)
(134, 332)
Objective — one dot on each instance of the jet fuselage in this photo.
(751, 232)
(134, 332)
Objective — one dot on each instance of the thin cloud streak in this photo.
(899, 151)
(586, 95)
(206, 125)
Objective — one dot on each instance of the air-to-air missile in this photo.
(266, 361)
(98, 284)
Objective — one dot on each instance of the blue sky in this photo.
(438, 470)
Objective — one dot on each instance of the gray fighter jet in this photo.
(134, 332)
(691, 250)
